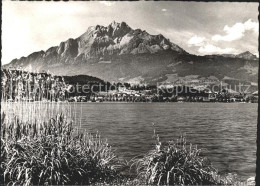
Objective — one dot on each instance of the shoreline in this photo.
(130, 102)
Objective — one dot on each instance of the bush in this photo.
(54, 153)
(176, 164)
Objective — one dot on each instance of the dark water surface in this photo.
(226, 132)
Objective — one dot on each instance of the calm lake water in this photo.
(226, 132)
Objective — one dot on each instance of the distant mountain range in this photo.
(118, 53)
(245, 55)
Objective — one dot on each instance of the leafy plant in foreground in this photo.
(54, 153)
(176, 163)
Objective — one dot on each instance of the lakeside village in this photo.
(20, 85)
(174, 94)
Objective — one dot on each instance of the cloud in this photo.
(250, 25)
(257, 54)
(107, 3)
(212, 49)
(237, 31)
(164, 10)
(196, 40)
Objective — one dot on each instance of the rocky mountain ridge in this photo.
(100, 42)
(118, 53)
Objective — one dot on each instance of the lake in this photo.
(225, 131)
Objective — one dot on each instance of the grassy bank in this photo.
(44, 144)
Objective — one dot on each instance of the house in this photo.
(122, 89)
(180, 99)
(206, 99)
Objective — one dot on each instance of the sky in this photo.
(200, 28)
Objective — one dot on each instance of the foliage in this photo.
(19, 85)
(54, 153)
(177, 163)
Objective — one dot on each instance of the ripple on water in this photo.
(227, 132)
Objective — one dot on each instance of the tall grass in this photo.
(178, 163)
(19, 85)
(53, 151)
(43, 143)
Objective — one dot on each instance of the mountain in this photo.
(245, 55)
(99, 43)
(118, 53)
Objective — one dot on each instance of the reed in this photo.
(19, 85)
(178, 163)
(54, 152)
(42, 142)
